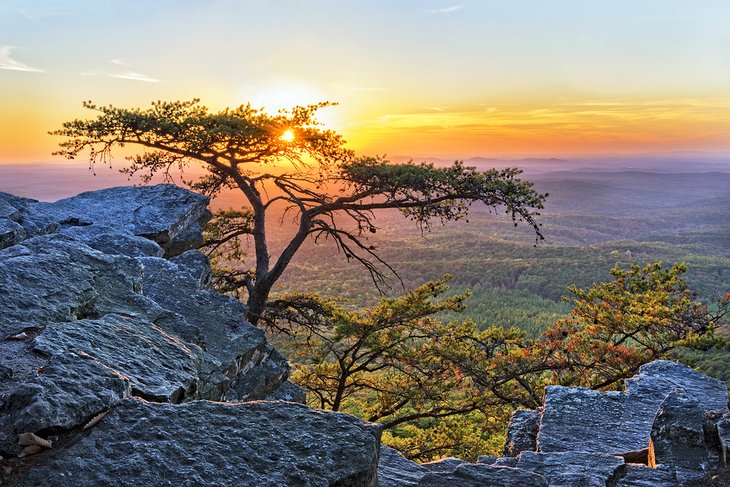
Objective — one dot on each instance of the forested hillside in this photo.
(592, 221)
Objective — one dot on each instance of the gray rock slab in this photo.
(573, 468)
(159, 212)
(479, 475)
(665, 376)
(159, 366)
(110, 241)
(395, 470)
(643, 476)
(678, 436)
(263, 444)
(261, 380)
(196, 264)
(522, 432)
(579, 419)
(10, 205)
(72, 388)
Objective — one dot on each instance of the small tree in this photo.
(287, 159)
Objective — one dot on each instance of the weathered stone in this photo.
(159, 366)
(478, 475)
(10, 233)
(55, 278)
(395, 470)
(578, 419)
(73, 388)
(678, 434)
(22, 211)
(487, 459)
(288, 392)
(160, 213)
(205, 443)
(233, 346)
(522, 432)
(573, 468)
(443, 465)
(10, 206)
(110, 241)
(643, 476)
(665, 376)
(196, 264)
(261, 380)
(723, 432)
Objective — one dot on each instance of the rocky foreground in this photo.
(119, 366)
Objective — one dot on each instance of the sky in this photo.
(418, 78)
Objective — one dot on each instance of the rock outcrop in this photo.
(670, 427)
(119, 366)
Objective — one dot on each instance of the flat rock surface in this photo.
(158, 365)
(56, 278)
(643, 476)
(480, 475)
(573, 468)
(205, 443)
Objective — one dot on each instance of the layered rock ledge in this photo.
(119, 365)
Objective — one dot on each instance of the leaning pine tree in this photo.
(288, 159)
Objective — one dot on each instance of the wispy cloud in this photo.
(45, 12)
(445, 10)
(129, 75)
(134, 76)
(6, 62)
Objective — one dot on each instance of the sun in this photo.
(287, 136)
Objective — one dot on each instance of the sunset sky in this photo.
(416, 78)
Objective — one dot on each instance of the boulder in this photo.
(109, 241)
(395, 470)
(619, 423)
(679, 434)
(10, 232)
(664, 376)
(480, 475)
(522, 432)
(208, 443)
(162, 213)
